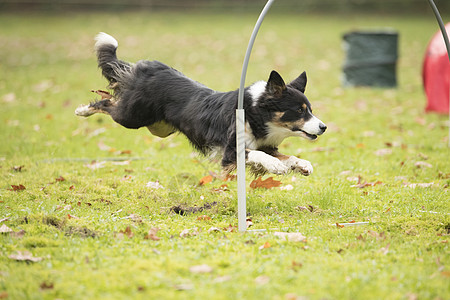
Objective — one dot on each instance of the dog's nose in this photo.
(323, 127)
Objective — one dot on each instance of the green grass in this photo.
(47, 69)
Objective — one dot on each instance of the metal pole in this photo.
(240, 127)
(447, 45)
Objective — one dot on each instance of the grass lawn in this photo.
(89, 203)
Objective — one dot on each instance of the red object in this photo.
(436, 74)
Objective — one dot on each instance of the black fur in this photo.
(150, 92)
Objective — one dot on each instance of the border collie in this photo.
(153, 95)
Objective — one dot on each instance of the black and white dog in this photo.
(153, 95)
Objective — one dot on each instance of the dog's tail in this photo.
(112, 68)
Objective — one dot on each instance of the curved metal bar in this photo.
(240, 127)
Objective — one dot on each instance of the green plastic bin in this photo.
(371, 58)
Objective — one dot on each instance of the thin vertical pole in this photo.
(447, 45)
(240, 127)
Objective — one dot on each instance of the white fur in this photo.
(268, 162)
(299, 165)
(84, 111)
(276, 134)
(256, 90)
(313, 126)
(105, 39)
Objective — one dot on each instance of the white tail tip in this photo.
(105, 39)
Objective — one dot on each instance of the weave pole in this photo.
(240, 126)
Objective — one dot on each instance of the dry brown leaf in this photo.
(72, 217)
(266, 184)
(205, 180)
(18, 168)
(265, 246)
(203, 218)
(127, 232)
(230, 228)
(16, 188)
(151, 235)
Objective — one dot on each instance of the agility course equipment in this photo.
(240, 113)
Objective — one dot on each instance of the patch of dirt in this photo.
(83, 232)
(184, 210)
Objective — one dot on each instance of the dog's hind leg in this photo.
(104, 106)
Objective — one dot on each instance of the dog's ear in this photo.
(275, 84)
(299, 83)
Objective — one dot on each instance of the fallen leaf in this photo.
(189, 232)
(265, 246)
(220, 189)
(266, 184)
(5, 229)
(261, 280)
(378, 236)
(383, 152)
(203, 218)
(132, 217)
(24, 256)
(16, 188)
(72, 217)
(230, 228)
(201, 269)
(94, 165)
(154, 185)
(60, 179)
(230, 177)
(291, 236)
(125, 152)
(288, 187)
(46, 285)
(422, 164)
(127, 232)
(151, 235)
(213, 229)
(422, 185)
(205, 180)
(296, 265)
(17, 168)
(103, 147)
(364, 184)
(339, 225)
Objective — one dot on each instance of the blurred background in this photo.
(380, 6)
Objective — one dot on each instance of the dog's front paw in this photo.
(262, 162)
(299, 165)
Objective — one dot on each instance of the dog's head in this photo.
(287, 110)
